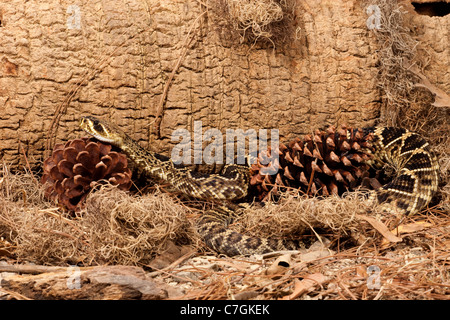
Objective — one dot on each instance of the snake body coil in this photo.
(407, 152)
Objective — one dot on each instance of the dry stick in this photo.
(310, 180)
(173, 264)
(27, 163)
(345, 287)
(313, 171)
(35, 269)
(14, 294)
(187, 42)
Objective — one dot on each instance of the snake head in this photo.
(99, 130)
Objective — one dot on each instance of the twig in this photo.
(278, 253)
(14, 294)
(310, 179)
(345, 287)
(173, 264)
(34, 269)
(27, 163)
(187, 42)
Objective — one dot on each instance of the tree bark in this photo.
(59, 61)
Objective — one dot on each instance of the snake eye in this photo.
(97, 126)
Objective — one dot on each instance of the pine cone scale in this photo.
(70, 154)
(65, 167)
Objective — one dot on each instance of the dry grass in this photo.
(117, 227)
(295, 216)
(258, 21)
(255, 16)
(397, 53)
(406, 103)
(114, 227)
(121, 228)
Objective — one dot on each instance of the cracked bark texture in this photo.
(118, 61)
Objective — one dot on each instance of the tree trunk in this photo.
(59, 61)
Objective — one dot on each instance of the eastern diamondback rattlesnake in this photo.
(411, 190)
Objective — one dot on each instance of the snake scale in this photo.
(416, 181)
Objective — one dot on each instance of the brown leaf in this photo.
(245, 295)
(308, 284)
(381, 228)
(412, 227)
(441, 98)
(171, 256)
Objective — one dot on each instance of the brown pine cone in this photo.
(327, 162)
(75, 167)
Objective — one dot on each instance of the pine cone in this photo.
(75, 167)
(328, 162)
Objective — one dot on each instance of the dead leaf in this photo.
(245, 295)
(361, 271)
(381, 228)
(407, 228)
(280, 265)
(315, 255)
(412, 227)
(170, 255)
(441, 98)
(306, 285)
